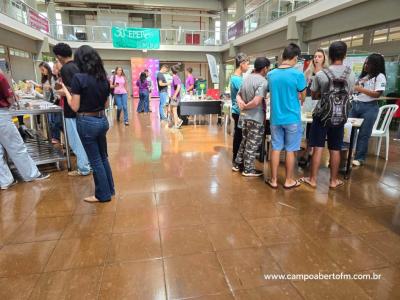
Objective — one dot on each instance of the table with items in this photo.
(40, 147)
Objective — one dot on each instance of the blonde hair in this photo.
(311, 68)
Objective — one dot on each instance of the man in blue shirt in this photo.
(285, 84)
(242, 65)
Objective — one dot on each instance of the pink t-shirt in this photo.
(120, 85)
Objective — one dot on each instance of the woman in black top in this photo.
(90, 91)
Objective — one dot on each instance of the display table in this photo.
(305, 118)
(201, 107)
(40, 148)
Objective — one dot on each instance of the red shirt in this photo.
(5, 91)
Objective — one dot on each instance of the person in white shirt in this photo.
(369, 87)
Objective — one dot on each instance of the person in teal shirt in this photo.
(242, 65)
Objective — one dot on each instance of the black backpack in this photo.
(334, 107)
(112, 89)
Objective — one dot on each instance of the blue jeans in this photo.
(76, 145)
(143, 105)
(55, 121)
(163, 101)
(368, 111)
(92, 131)
(122, 103)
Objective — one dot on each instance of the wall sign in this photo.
(38, 21)
(136, 38)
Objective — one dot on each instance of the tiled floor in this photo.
(183, 226)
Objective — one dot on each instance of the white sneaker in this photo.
(10, 185)
(396, 139)
(356, 163)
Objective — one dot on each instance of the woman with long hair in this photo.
(143, 86)
(90, 90)
(318, 63)
(369, 87)
(119, 83)
(47, 83)
(176, 86)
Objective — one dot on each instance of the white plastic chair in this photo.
(381, 127)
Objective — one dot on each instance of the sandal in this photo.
(296, 184)
(307, 182)
(268, 181)
(341, 183)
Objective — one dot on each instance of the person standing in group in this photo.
(150, 87)
(285, 84)
(176, 86)
(318, 63)
(242, 65)
(251, 100)
(89, 97)
(189, 83)
(322, 86)
(143, 86)
(63, 52)
(162, 90)
(48, 82)
(369, 87)
(12, 143)
(120, 85)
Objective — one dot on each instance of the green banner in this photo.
(136, 38)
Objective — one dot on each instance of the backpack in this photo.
(334, 107)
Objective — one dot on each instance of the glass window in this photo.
(394, 34)
(20, 53)
(357, 40)
(380, 36)
(2, 50)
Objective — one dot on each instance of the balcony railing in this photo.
(25, 14)
(98, 34)
(264, 14)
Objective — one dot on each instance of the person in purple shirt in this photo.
(143, 85)
(176, 87)
(189, 85)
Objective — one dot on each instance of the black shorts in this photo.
(320, 133)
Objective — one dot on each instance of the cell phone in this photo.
(58, 86)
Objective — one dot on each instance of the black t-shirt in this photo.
(161, 77)
(67, 73)
(94, 93)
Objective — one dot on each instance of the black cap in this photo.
(261, 62)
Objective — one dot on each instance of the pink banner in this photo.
(138, 65)
(38, 21)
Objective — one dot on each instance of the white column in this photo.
(51, 15)
(240, 9)
(224, 25)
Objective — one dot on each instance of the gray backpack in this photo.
(334, 107)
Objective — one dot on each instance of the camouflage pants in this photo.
(252, 132)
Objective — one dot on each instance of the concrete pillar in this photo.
(224, 25)
(240, 9)
(221, 71)
(51, 11)
(295, 34)
(31, 3)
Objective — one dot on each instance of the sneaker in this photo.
(126, 123)
(357, 162)
(253, 173)
(396, 139)
(10, 185)
(237, 168)
(77, 173)
(42, 176)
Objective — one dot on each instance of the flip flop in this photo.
(296, 184)
(304, 180)
(268, 181)
(338, 186)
